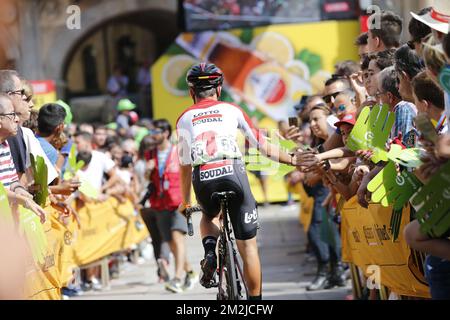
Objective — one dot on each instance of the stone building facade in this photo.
(38, 37)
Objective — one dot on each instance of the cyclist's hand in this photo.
(182, 208)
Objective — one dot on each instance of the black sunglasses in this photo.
(8, 115)
(337, 76)
(328, 97)
(18, 92)
(156, 131)
(28, 98)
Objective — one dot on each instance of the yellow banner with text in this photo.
(367, 242)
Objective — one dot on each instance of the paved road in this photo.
(285, 270)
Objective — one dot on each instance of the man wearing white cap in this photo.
(438, 18)
(437, 269)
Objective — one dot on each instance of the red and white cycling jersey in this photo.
(207, 131)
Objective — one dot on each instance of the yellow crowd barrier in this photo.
(44, 281)
(367, 242)
(106, 228)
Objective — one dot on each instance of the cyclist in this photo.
(207, 133)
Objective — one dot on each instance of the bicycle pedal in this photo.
(211, 284)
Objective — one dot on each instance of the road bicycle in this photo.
(231, 279)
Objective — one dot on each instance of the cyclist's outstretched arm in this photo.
(276, 154)
(186, 179)
(259, 141)
(185, 165)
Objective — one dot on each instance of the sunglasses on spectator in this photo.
(28, 98)
(328, 97)
(18, 92)
(8, 115)
(156, 131)
(342, 107)
(338, 76)
(378, 93)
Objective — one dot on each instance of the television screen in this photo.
(199, 15)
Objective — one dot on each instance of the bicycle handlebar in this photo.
(188, 213)
(191, 210)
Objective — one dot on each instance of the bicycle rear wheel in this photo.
(231, 274)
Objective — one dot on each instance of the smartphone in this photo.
(293, 122)
(320, 148)
(426, 128)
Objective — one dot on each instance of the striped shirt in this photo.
(405, 112)
(8, 173)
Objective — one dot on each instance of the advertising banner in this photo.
(267, 70)
(107, 227)
(44, 92)
(367, 241)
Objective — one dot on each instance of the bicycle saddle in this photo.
(225, 195)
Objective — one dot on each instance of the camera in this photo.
(150, 190)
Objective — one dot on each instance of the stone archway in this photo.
(64, 41)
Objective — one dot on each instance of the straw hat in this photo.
(438, 18)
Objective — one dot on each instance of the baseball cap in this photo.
(125, 105)
(347, 119)
(126, 161)
(69, 116)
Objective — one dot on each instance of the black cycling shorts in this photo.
(227, 175)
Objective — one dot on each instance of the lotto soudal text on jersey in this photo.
(216, 170)
(207, 117)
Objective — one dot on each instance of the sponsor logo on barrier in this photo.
(68, 238)
(89, 232)
(383, 233)
(370, 236)
(216, 170)
(49, 262)
(375, 235)
(356, 235)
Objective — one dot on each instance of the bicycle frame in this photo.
(229, 264)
